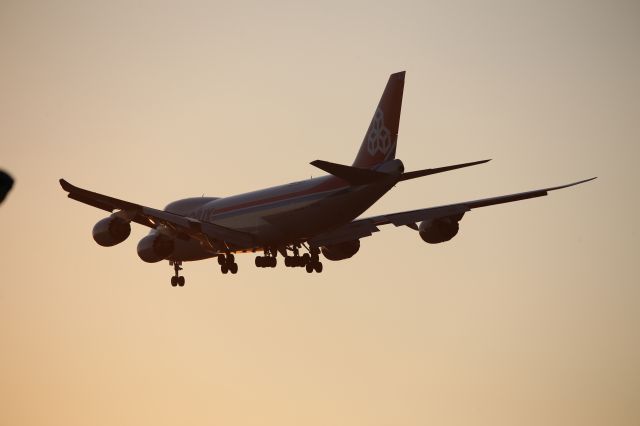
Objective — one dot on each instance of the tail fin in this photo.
(379, 143)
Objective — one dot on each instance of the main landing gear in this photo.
(177, 280)
(227, 263)
(268, 260)
(314, 263)
(297, 261)
(310, 261)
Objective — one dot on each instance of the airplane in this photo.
(318, 216)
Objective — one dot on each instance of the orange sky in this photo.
(530, 316)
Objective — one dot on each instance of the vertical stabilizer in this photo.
(379, 144)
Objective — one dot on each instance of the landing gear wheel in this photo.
(267, 262)
(227, 263)
(318, 267)
(180, 281)
(174, 281)
(305, 259)
(309, 267)
(293, 261)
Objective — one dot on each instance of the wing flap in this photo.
(95, 203)
(357, 230)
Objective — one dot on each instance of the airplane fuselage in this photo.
(284, 213)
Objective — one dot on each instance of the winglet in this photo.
(66, 185)
(572, 184)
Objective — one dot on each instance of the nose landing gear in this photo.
(177, 280)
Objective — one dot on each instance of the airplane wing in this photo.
(361, 228)
(184, 227)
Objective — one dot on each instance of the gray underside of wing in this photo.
(361, 228)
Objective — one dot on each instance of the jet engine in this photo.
(155, 247)
(341, 251)
(111, 231)
(439, 230)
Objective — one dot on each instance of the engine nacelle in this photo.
(111, 231)
(341, 251)
(155, 247)
(439, 230)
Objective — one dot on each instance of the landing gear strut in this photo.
(176, 280)
(227, 263)
(296, 261)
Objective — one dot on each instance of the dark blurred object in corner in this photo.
(5, 185)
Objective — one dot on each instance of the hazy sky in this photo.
(530, 316)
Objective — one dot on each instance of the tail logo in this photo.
(379, 137)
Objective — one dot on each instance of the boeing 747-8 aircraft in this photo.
(300, 220)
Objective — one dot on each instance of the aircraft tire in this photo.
(309, 268)
(181, 281)
(318, 267)
(233, 268)
(224, 269)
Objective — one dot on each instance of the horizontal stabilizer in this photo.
(353, 175)
(427, 172)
